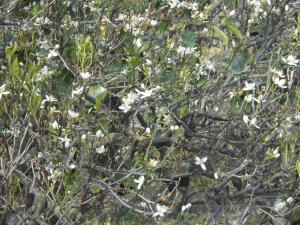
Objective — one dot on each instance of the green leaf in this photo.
(116, 67)
(298, 166)
(254, 221)
(15, 68)
(238, 62)
(35, 102)
(296, 215)
(97, 92)
(221, 35)
(182, 111)
(162, 27)
(62, 82)
(167, 75)
(201, 82)
(189, 38)
(10, 51)
(235, 30)
(235, 104)
(129, 182)
(95, 189)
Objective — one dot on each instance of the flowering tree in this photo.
(145, 112)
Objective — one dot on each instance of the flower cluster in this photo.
(132, 97)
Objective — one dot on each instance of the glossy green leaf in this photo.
(98, 93)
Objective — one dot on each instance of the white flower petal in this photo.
(203, 166)
(246, 119)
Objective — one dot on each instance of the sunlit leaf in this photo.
(221, 35)
(235, 30)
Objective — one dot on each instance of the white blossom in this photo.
(246, 119)
(282, 83)
(44, 44)
(140, 181)
(148, 62)
(125, 108)
(253, 123)
(130, 99)
(249, 86)
(260, 99)
(83, 137)
(286, 8)
(121, 17)
(3, 91)
(55, 125)
(72, 166)
(201, 162)
(290, 60)
(216, 176)
(47, 99)
(147, 93)
(209, 65)
(148, 131)
(161, 210)
(232, 12)
(153, 162)
(42, 20)
(143, 204)
(54, 172)
(99, 134)
(85, 75)
(138, 43)
(250, 121)
(153, 23)
(279, 82)
(281, 205)
(279, 73)
(53, 53)
(173, 3)
(73, 114)
(100, 149)
(249, 98)
(66, 141)
(176, 127)
(257, 6)
(276, 153)
(43, 72)
(185, 50)
(186, 207)
(77, 91)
